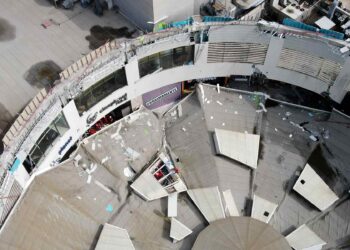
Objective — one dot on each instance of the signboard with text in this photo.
(162, 96)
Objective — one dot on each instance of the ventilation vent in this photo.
(325, 70)
(237, 52)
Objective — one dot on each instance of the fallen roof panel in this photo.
(208, 201)
(314, 189)
(178, 231)
(230, 207)
(242, 147)
(303, 237)
(263, 209)
(113, 237)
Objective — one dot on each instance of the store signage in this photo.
(160, 97)
(115, 102)
(91, 118)
(206, 79)
(65, 145)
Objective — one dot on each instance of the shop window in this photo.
(48, 137)
(100, 90)
(56, 129)
(35, 154)
(61, 124)
(149, 64)
(166, 59)
(183, 56)
(111, 117)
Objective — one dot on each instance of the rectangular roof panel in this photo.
(113, 237)
(263, 209)
(314, 189)
(242, 147)
(304, 238)
(208, 201)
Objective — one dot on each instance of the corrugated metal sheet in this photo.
(318, 67)
(237, 52)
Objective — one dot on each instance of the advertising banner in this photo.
(162, 96)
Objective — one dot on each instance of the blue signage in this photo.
(15, 165)
(65, 145)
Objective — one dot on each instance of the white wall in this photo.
(175, 10)
(132, 71)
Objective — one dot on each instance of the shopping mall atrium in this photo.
(185, 124)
